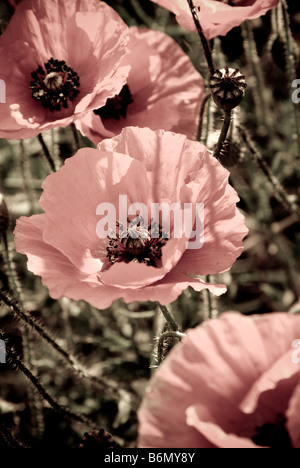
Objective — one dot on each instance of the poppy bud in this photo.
(227, 86)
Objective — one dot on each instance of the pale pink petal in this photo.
(89, 36)
(224, 227)
(284, 369)
(216, 17)
(136, 165)
(60, 276)
(71, 197)
(212, 370)
(169, 288)
(136, 275)
(215, 434)
(166, 89)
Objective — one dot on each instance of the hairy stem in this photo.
(290, 64)
(204, 42)
(279, 191)
(165, 310)
(202, 113)
(46, 153)
(223, 134)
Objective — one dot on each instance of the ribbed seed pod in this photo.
(227, 86)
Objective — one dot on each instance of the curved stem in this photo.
(291, 67)
(204, 42)
(165, 310)
(201, 118)
(47, 153)
(223, 134)
(279, 191)
(75, 136)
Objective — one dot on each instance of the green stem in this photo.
(75, 136)
(291, 66)
(201, 118)
(25, 170)
(14, 359)
(29, 320)
(165, 310)
(261, 107)
(204, 42)
(223, 134)
(46, 153)
(279, 191)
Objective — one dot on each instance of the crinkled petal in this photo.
(166, 89)
(215, 434)
(212, 369)
(216, 17)
(71, 197)
(89, 36)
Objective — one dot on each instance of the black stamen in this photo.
(116, 107)
(54, 85)
(273, 435)
(138, 243)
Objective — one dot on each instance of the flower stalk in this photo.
(224, 133)
(46, 153)
(165, 310)
(204, 42)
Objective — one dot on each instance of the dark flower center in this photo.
(138, 243)
(116, 107)
(273, 435)
(54, 84)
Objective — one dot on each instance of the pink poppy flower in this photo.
(67, 248)
(217, 17)
(163, 91)
(58, 60)
(232, 383)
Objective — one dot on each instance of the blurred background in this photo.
(110, 354)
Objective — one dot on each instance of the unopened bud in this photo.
(4, 216)
(227, 86)
(280, 54)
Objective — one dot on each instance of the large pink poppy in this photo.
(63, 244)
(232, 383)
(58, 60)
(217, 17)
(163, 91)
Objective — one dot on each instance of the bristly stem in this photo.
(47, 153)
(279, 191)
(201, 118)
(258, 89)
(290, 65)
(21, 314)
(204, 42)
(15, 360)
(160, 345)
(75, 136)
(223, 134)
(25, 170)
(165, 310)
